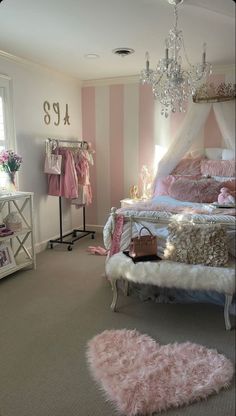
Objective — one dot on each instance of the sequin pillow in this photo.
(197, 244)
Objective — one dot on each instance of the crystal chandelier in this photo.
(171, 84)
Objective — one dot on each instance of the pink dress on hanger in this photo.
(82, 161)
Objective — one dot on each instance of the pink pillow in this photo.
(188, 166)
(162, 185)
(218, 167)
(202, 190)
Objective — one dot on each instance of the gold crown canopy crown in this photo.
(212, 93)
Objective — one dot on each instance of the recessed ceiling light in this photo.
(123, 51)
(91, 56)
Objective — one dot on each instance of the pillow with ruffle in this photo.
(218, 167)
(188, 166)
(201, 190)
(197, 244)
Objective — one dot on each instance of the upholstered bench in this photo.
(170, 274)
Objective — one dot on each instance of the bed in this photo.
(163, 208)
(156, 215)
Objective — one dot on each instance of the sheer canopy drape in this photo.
(188, 132)
(225, 116)
(184, 138)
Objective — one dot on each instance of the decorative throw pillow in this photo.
(214, 153)
(218, 167)
(188, 166)
(197, 244)
(201, 190)
(228, 154)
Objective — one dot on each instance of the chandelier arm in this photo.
(186, 56)
(176, 17)
(159, 79)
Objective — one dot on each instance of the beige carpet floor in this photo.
(48, 315)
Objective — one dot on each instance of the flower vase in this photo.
(12, 182)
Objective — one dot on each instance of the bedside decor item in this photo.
(143, 245)
(134, 192)
(13, 221)
(141, 376)
(172, 84)
(10, 163)
(225, 197)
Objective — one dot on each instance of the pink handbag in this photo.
(143, 245)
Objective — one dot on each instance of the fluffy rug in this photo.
(141, 376)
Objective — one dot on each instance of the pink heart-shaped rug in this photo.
(141, 376)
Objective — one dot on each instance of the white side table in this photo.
(17, 250)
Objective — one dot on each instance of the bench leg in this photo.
(126, 287)
(115, 294)
(228, 301)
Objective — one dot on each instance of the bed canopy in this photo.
(189, 130)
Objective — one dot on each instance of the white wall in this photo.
(32, 85)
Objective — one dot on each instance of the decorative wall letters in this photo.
(56, 109)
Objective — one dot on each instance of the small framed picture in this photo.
(7, 260)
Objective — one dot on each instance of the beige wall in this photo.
(31, 86)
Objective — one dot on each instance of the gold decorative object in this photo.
(210, 93)
(57, 110)
(67, 117)
(134, 192)
(46, 107)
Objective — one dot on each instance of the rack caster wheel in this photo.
(51, 246)
(92, 236)
(69, 248)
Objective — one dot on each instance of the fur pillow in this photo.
(201, 190)
(188, 166)
(218, 167)
(163, 184)
(197, 244)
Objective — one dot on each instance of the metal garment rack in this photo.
(76, 234)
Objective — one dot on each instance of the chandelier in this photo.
(171, 84)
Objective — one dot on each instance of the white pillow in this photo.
(228, 154)
(213, 153)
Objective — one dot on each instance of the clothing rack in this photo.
(76, 234)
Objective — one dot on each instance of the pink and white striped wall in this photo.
(119, 120)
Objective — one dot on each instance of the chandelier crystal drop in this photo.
(171, 84)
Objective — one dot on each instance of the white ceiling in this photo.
(58, 33)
